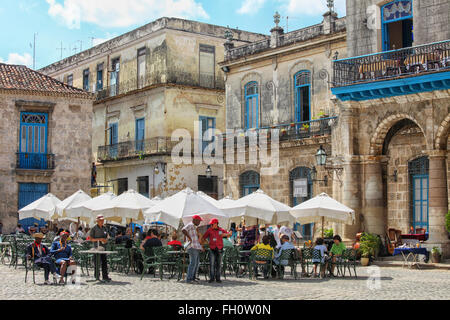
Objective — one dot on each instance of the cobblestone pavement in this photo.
(394, 283)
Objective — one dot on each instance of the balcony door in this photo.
(140, 134)
(302, 96)
(113, 139)
(397, 25)
(33, 140)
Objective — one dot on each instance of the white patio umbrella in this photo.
(128, 207)
(88, 211)
(258, 207)
(226, 202)
(75, 199)
(323, 207)
(182, 206)
(42, 208)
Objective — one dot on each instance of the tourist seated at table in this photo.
(336, 251)
(174, 243)
(122, 238)
(234, 233)
(40, 254)
(62, 252)
(150, 241)
(323, 261)
(285, 245)
(19, 229)
(249, 236)
(264, 245)
(44, 229)
(286, 231)
(33, 229)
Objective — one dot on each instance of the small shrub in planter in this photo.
(435, 255)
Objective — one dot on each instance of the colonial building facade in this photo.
(380, 77)
(392, 96)
(284, 83)
(45, 135)
(148, 83)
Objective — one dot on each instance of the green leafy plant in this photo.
(369, 244)
(305, 126)
(141, 155)
(328, 233)
(436, 250)
(447, 221)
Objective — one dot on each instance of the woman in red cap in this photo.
(215, 234)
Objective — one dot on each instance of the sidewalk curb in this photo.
(422, 265)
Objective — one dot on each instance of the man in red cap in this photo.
(215, 234)
(193, 248)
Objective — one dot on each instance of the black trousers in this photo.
(104, 263)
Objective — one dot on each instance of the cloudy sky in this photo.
(79, 24)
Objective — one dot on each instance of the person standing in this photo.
(193, 248)
(99, 235)
(215, 235)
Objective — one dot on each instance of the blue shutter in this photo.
(113, 139)
(28, 193)
(33, 140)
(140, 134)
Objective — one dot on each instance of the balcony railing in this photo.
(170, 77)
(35, 161)
(135, 148)
(291, 131)
(392, 64)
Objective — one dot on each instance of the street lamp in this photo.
(208, 172)
(314, 176)
(321, 156)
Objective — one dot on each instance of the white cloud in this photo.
(120, 13)
(311, 7)
(15, 58)
(251, 6)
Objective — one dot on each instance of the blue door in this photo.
(302, 96)
(33, 140)
(397, 24)
(28, 193)
(140, 134)
(113, 139)
(207, 136)
(251, 105)
(420, 201)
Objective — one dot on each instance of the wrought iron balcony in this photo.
(171, 77)
(135, 149)
(35, 161)
(290, 131)
(419, 60)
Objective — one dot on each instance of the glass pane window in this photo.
(33, 132)
(251, 105)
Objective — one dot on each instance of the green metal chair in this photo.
(150, 259)
(349, 262)
(240, 260)
(227, 261)
(204, 263)
(289, 255)
(307, 256)
(260, 259)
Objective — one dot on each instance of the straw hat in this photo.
(38, 235)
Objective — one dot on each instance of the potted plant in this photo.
(305, 126)
(435, 255)
(368, 247)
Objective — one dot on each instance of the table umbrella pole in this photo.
(323, 219)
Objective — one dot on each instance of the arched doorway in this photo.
(302, 177)
(406, 176)
(249, 182)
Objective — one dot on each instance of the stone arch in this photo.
(378, 137)
(442, 134)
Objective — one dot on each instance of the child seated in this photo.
(323, 253)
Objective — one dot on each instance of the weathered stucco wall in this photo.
(69, 139)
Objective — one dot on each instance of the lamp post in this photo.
(155, 172)
(208, 172)
(321, 160)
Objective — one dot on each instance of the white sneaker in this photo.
(47, 282)
(55, 278)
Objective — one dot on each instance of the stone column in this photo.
(351, 196)
(438, 202)
(373, 206)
